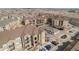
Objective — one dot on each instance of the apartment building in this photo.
(23, 38)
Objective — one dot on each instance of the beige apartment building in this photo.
(23, 38)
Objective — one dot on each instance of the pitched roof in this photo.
(5, 36)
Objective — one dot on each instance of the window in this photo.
(26, 42)
(35, 42)
(33, 21)
(38, 21)
(47, 40)
(26, 39)
(35, 38)
(27, 45)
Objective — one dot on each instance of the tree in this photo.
(23, 22)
